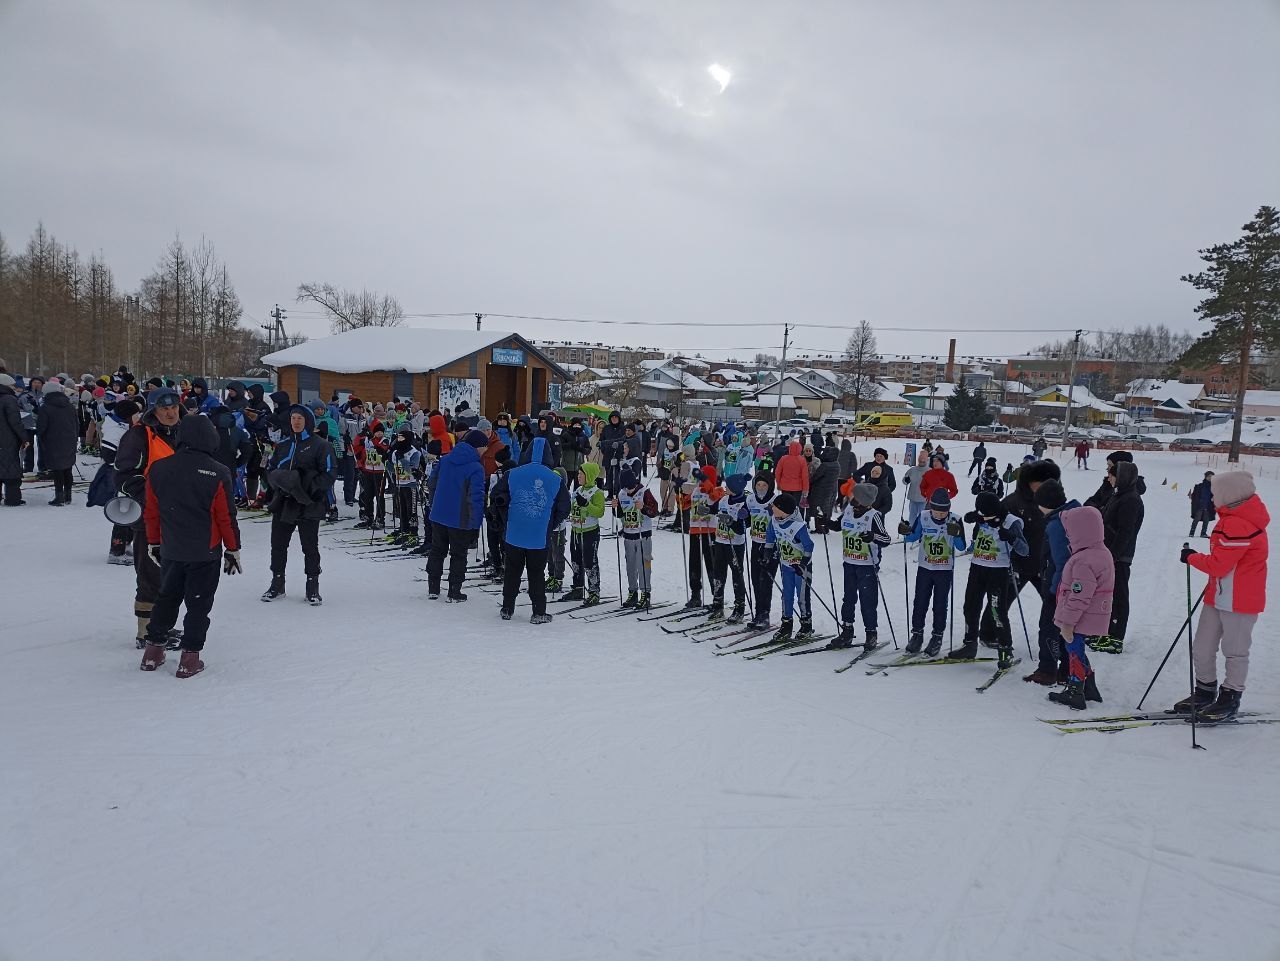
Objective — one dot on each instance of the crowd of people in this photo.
(747, 508)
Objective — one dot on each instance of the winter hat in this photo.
(880, 450)
(865, 494)
(785, 502)
(709, 473)
(1051, 495)
(1039, 471)
(476, 438)
(1118, 456)
(99, 393)
(7, 381)
(939, 500)
(125, 409)
(484, 424)
(736, 483)
(53, 387)
(627, 478)
(165, 397)
(157, 382)
(1232, 488)
(988, 505)
(991, 462)
(1126, 474)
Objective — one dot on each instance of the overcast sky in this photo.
(930, 164)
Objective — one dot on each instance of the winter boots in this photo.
(592, 599)
(644, 601)
(553, 584)
(935, 646)
(189, 665)
(967, 650)
(806, 629)
(574, 594)
(872, 641)
(915, 642)
(276, 589)
(505, 614)
(633, 598)
(1042, 677)
(1004, 658)
(313, 592)
(783, 633)
(1200, 698)
(737, 615)
(1071, 696)
(844, 639)
(152, 657)
(455, 597)
(1224, 708)
(695, 600)
(540, 619)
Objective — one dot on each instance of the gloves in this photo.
(1006, 533)
(583, 494)
(1186, 552)
(904, 528)
(231, 563)
(955, 528)
(153, 552)
(697, 474)
(600, 483)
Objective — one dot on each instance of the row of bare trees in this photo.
(62, 313)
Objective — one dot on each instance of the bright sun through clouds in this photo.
(720, 75)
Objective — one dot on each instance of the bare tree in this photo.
(349, 309)
(860, 366)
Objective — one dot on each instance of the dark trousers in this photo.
(12, 491)
(988, 630)
(931, 587)
(121, 537)
(371, 498)
(1204, 519)
(347, 471)
(518, 561)
(453, 542)
(146, 576)
(255, 471)
(728, 560)
(860, 585)
(764, 568)
(977, 462)
(404, 506)
(29, 453)
(555, 554)
(1120, 601)
(1049, 641)
(192, 583)
(308, 535)
(987, 595)
(62, 484)
(584, 558)
(494, 537)
(700, 555)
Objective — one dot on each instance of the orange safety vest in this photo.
(157, 449)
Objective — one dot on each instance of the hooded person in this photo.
(200, 390)
(464, 418)
(59, 431)
(439, 431)
(234, 398)
(612, 441)
(1083, 603)
(823, 488)
(941, 536)
(457, 510)
(190, 518)
(13, 438)
(1236, 564)
(1052, 666)
(502, 427)
(997, 539)
(1202, 512)
(302, 473)
(587, 505)
(791, 475)
(1106, 489)
(788, 537)
(636, 508)
(533, 501)
(235, 446)
(575, 448)
(988, 479)
(1122, 516)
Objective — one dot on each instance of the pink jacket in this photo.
(1089, 577)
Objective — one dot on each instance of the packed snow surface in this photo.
(391, 778)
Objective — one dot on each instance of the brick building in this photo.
(382, 363)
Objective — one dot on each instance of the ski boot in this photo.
(592, 599)
(422, 549)
(935, 646)
(695, 600)
(1091, 689)
(1004, 658)
(540, 619)
(505, 613)
(332, 516)
(276, 589)
(759, 623)
(1071, 696)
(632, 600)
(915, 642)
(644, 601)
(313, 592)
(1224, 708)
(716, 611)
(410, 542)
(844, 639)
(554, 585)
(433, 592)
(455, 596)
(363, 525)
(783, 633)
(1200, 698)
(152, 657)
(737, 615)
(574, 594)
(872, 641)
(806, 631)
(966, 651)
(189, 665)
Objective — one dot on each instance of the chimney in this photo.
(951, 361)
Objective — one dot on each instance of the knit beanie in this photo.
(125, 409)
(939, 500)
(1232, 488)
(1051, 495)
(865, 494)
(988, 505)
(476, 438)
(785, 502)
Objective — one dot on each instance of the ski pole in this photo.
(885, 601)
(1185, 626)
(831, 579)
(617, 549)
(1191, 659)
(1017, 596)
(809, 581)
(951, 619)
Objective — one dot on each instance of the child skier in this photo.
(703, 496)
(764, 561)
(941, 536)
(729, 550)
(862, 535)
(988, 480)
(637, 508)
(996, 535)
(584, 535)
(1083, 601)
(788, 536)
(404, 459)
(371, 453)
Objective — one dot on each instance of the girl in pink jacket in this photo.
(1084, 601)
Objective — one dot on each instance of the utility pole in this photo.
(1071, 387)
(782, 369)
(275, 332)
(479, 317)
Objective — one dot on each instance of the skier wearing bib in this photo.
(729, 550)
(764, 561)
(788, 536)
(702, 530)
(637, 508)
(587, 507)
(941, 536)
(997, 538)
(862, 535)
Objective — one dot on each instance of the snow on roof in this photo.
(1164, 390)
(652, 364)
(1014, 387)
(769, 400)
(1262, 398)
(730, 372)
(412, 349)
(1080, 397)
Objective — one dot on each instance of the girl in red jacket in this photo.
(1234, 597)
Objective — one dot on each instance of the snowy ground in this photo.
(390, 778)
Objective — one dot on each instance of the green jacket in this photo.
(585, 512)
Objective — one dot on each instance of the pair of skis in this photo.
(1112, 723)
(915, 660)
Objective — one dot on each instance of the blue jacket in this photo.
(506, 435)
(538, 499)
(1059, 548)
(457, 489)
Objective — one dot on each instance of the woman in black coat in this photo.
(58, 428)
(823, 486)
(12, 438)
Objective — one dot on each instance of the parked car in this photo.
(938, 430)
(1191, 443)
(1266, 445)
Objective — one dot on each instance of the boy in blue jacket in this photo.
(941, 535)
(788, 534)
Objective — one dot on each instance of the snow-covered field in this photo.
(391, 778)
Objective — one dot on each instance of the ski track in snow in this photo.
(387, 777)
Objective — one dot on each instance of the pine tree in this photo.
(1243, 283)
(965, 409)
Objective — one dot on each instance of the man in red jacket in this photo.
(938, 477)
(1234, 597)
(791, 474)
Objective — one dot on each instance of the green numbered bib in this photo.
(985, 545)
(855, 548)
(724, 528)
(790, 552)
(936, 549)
(631, 519)
(759, 526)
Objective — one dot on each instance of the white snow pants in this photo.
(1234, 633)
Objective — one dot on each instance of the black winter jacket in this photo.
(612, 438)
(301, 472)
(825, 480)
(12, 436)
(1123, 515)
(191, 508)
(59, 430)
(1022, 504)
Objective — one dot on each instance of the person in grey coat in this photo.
(847, 461)
(12, 439)
(823, 487)
(58, 428)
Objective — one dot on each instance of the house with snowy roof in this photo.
(1171, 400)
(1086, 409)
